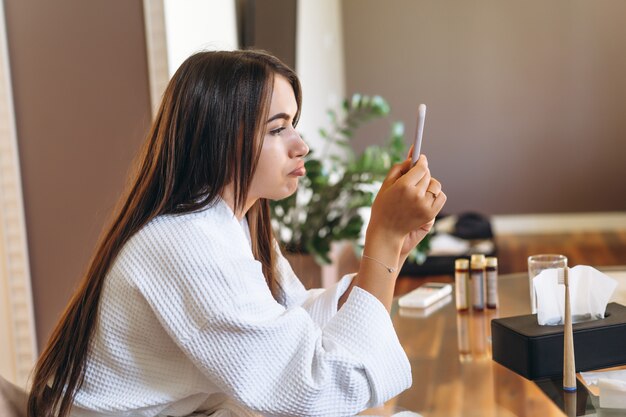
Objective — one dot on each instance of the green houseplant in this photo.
(333, 199)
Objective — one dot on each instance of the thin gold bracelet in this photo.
(389, 269)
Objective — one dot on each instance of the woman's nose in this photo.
(299, 148)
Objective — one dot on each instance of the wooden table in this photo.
(454, 375)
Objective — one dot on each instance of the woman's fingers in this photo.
(419, 181)
(416, 174)
(408, 199)
(397, 171)
(434, 187)
(439, 201)
(425, 183)
(408, 175)
(422, 185)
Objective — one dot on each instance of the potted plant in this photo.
(333, 200)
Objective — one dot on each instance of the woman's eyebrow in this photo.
(279, 116)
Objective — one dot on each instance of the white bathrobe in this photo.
(187, 326)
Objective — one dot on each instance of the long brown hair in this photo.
(207, 134)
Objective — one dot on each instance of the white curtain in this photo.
(319, 64)
(17, 330)
(194, 25)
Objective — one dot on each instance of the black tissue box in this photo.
(535, 351)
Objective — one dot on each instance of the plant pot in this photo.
(305, 267)
(313, 275)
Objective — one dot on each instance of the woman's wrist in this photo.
(382, 248)
(376, 234)
(379, 266)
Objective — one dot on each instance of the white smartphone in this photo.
(425, 295)
(419, 132)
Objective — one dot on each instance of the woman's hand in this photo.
(416, 236)
(408, 200)
(413, 238)
(402, 214)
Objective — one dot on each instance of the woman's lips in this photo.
(298, 172)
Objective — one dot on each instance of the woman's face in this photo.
(281, 160)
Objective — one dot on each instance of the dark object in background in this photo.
(470, 226)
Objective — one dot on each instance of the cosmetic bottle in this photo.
(477, 278)
(491, 278)
(461, 283)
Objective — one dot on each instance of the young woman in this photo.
(188, 307)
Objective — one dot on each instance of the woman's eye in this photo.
(277, 131)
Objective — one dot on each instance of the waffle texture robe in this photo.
(187, 326)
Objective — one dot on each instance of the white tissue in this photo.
(612, 387)
(612, 393)
(590, 291)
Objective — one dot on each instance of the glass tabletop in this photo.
(453, 371)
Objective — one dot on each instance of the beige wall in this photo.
(82, 106)
(526, 99)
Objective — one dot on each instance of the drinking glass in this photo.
(536, 264)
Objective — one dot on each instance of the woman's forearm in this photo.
(379, 268)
